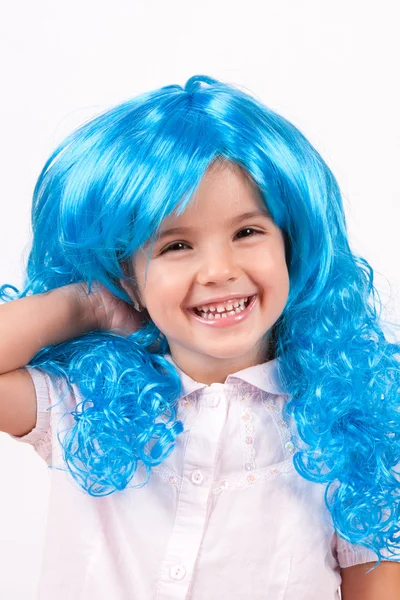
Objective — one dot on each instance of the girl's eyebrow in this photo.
(237, 219)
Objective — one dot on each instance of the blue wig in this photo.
(105, 191)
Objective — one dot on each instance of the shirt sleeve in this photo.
(349, 555)
(40, 436)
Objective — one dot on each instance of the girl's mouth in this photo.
(227, 319)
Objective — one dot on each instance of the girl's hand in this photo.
(108, 311)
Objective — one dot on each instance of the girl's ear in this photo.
(131, 295)
(129, 288)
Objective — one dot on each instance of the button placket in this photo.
(193, 499)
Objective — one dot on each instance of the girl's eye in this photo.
(249, 229)
(173, 247)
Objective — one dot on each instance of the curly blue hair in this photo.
(139, 162)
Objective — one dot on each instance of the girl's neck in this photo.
(211, 369)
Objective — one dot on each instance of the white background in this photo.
(331, 67)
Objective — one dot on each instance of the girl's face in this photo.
(219, 254)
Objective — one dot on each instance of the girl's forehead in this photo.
(223, 192)
(226, 219)
(226, 193)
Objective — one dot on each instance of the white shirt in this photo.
(225, 516)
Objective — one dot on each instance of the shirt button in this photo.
(197, 477)
(177, 572)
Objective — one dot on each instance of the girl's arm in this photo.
(29, 324)
(381, 584)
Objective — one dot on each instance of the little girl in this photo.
(199, 357)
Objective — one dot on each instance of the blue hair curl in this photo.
(139, 162)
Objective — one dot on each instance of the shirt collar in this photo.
(264, 376)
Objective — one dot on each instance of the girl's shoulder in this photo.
(51, 397)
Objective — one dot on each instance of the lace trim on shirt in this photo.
(247, 431)
(283, 428)
(247, 435)
(167, 475)
(231, 484)
(186, 411)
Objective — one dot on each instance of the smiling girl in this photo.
(223, 284)
(199, 357)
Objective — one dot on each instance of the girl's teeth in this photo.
(220, 308)
(218, 315)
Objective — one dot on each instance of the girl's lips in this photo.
(230, 319)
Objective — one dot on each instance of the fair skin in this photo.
(217, 256)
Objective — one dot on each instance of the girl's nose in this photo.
(217, 266)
